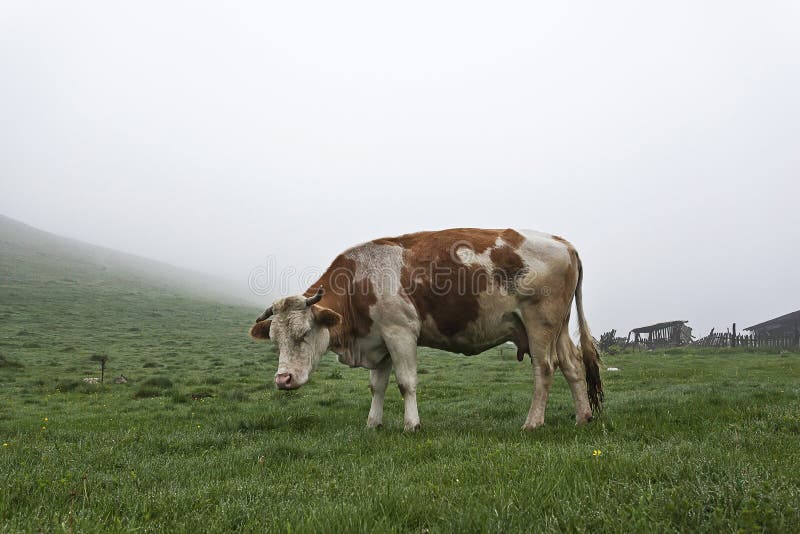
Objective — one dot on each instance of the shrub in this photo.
(147, 392)
(178, 397)
(67, 385)
(161, 382)
(9, 364)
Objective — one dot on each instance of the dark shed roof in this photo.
(784, 322)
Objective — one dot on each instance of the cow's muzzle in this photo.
(285, 381)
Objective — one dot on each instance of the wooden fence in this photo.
(727, 339)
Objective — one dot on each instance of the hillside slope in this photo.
(62, 299)
(51, 254)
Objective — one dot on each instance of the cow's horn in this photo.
(316, 298)
(267, 313)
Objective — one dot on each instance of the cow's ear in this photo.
(260, 330)
(325, 316)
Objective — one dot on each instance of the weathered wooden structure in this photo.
(609, 339)
(780, 326)
(780, 333)
(667, 334)
(729, 339)
(783, 331)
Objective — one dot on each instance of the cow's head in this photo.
(300, 328)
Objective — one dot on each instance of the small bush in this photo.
(147, 392)
(67, 385)
(161, 382)
(178, 397)
(9, 364)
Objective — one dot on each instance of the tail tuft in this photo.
(594, 386)
(591, 358)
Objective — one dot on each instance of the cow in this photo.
(463, 290)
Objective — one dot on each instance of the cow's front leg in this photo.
(403, 349)
(378, 381)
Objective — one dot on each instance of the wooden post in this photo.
(733, 339)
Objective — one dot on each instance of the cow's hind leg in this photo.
(569, 360)
(542, 333)
(378, 381)
(403, 349)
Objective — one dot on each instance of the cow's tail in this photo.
(591, 358)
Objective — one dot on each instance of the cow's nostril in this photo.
(283, 380)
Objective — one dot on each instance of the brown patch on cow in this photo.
(325, 316)
(402, 389)
(507, 266)
(350, 299)
(440, 285)
(561, 239)
(512, 237)
(260, 330)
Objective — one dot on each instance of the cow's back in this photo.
(466, 283)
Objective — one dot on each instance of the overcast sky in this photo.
(662, 139)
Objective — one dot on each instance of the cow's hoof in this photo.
(374, 425)
(580, 421)
(411, 427)
(528, 427)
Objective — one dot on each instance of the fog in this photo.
(662, 140)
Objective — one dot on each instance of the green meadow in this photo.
(198, 440)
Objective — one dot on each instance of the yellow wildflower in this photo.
(597, 452)
(5, 444)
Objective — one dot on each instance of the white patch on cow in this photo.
(543, 256)
(380, 264)
(469, 257)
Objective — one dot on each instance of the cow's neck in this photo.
(352, 348)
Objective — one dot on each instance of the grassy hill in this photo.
(199, 441)
(62, 300)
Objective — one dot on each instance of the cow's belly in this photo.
(496, 324)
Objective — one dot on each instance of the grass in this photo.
(199, 440)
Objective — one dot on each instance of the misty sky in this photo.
(662, 139)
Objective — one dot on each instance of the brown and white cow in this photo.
(462, 290)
